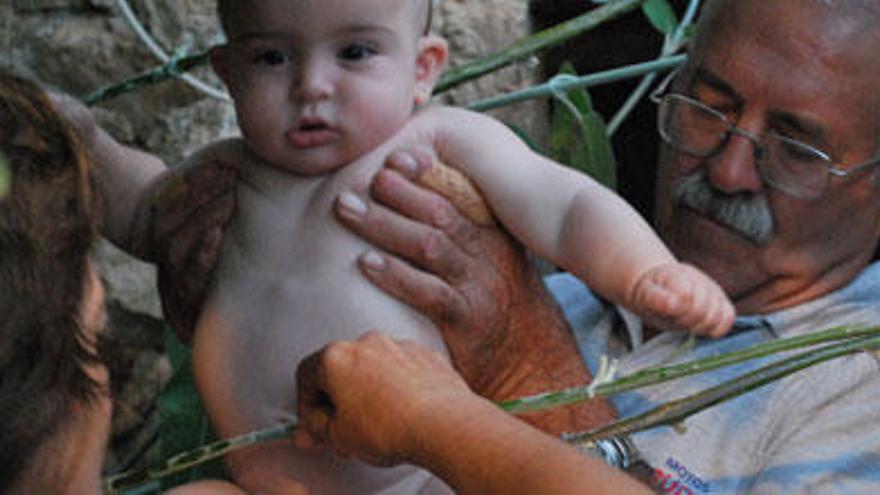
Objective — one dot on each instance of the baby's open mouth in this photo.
(311, 134)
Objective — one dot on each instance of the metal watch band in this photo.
(615, 451)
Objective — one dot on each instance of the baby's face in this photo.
(317, 83)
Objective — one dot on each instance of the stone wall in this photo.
(79, 46)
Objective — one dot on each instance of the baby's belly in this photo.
(270, 323)
(278, 323)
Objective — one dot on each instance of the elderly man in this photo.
(768, 181)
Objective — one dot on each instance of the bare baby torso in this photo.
(287, 284)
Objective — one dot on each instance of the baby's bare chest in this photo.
(288, 276)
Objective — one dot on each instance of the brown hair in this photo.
(47, 224)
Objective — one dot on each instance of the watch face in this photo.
(614, 451)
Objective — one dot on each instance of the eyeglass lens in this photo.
(700, 131)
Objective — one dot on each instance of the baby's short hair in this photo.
(225, 13)
(429, 16)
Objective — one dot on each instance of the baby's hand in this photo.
(679, 296)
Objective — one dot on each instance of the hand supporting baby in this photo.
(373, 398)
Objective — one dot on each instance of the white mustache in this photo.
(747, 214)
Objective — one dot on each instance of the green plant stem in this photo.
(181, 462)
(451, 78)
(562, 84)
(652, 376)
(672, 44)
(857, 339)
(534, 43)
(5, 176)
(674, 412)
(172, 69)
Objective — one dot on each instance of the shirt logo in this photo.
(678, 480)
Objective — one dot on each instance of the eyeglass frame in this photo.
(835, 169)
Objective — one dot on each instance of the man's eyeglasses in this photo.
(791, 166)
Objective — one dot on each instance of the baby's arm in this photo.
(578, 224)
(124, 174)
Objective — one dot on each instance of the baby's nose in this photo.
(315, 81)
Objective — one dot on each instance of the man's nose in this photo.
(734, 169)
(314, 81)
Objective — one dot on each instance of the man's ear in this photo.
(221, 63)
(433, 52)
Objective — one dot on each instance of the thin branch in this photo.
(566, 83)
(181, 462)
(451, 78)
(653, 376)
(174, 67)
(527, 47)
(671, 45)
(160, 54)
(5, 176)
(674, 412)
(858, 339)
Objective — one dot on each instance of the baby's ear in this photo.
(431, 60)
(221, 63)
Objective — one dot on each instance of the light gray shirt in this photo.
(817, 431)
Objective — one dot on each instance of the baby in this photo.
(324, 90)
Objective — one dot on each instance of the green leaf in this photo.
(598, 154)
(661, 15)
(5, 176)
(578, 136)
(524, 136)
(185, 425)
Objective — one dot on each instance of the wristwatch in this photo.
(616, 451)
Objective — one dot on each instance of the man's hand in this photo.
(504, 333)
(368, 398)
(186, 215)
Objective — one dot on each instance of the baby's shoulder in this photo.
(442, 124)
(447, 118)
(230, 151)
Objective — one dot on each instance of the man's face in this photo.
(799, 73)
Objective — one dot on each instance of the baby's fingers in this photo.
(719, 317)
(710, 313)
(679, 296)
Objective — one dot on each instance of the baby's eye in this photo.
(271, 57)
(356, 51)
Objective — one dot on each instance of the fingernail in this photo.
(373, 261)
(407, 163)
(352, 205)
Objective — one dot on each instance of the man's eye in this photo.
(271, 57)
(356, 52)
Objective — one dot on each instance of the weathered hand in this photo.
(188, 213)
(467, 278)
(504, 333)
(369, 398)
(680, 296)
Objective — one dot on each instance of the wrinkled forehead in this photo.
(814, 45)
(822, 28)
(797, 59)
